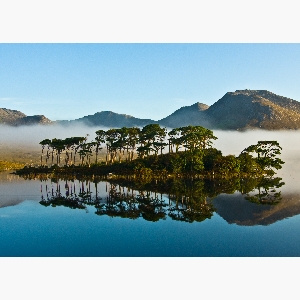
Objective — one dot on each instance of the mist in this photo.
(229, 142)
(31, 135)
(21, 143)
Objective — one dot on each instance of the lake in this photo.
(210, 222)
(81, 218)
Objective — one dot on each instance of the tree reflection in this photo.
(55, 196)
(118, 204)
(265, 192)
(181, 200)
(191, 210)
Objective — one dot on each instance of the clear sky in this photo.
(145, 80)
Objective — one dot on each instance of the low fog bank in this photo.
(229, 142)
(32, 135)
(21, 144)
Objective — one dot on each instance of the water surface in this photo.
(227, 225)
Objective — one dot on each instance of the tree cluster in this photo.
(152, 149)
(125, 144)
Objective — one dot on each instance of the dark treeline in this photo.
(153, 152)
(123, 144)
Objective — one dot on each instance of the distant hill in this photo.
(9, 117)
(239, 110)
(31, 120)
(186, 115)
(16, 118)
(109, 119)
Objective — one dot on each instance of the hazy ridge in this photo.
(239, 110)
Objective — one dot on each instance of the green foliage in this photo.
(151, 138)
(248, 164)
(266, 153)
(210, 156)
(193, 155)
(227, 166)
(191, 137)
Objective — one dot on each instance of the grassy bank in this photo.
(8, 165)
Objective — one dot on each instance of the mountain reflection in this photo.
(181, 200)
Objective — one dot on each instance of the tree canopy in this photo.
(143, 151)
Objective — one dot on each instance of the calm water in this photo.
(108, 221)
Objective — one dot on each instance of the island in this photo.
(156, 153)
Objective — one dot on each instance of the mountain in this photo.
(109, 119)
(245, 109)
(17, 118)
(186, 115)
(9, 117)
(32, 120)
(239, 110)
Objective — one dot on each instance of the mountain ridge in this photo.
(109, 119)
(239, 110)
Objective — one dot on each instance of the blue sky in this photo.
(145, 80)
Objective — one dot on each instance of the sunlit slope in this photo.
(249, 109)
(9, 117)
(240, 110)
